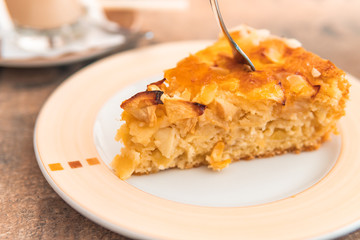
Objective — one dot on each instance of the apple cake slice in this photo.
(211, 110)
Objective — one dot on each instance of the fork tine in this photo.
(239, 54)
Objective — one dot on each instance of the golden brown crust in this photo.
(216, 65)
(143, 105)
(143, 99)
(158, 83)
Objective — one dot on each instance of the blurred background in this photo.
(330, 28)
(32, 66)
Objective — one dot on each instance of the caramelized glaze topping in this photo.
(274, 60)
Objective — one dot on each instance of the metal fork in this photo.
(238, 54)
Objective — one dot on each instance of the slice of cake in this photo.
(211, 110)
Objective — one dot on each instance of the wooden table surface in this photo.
(30, 209)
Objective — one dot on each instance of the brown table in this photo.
(30, 209)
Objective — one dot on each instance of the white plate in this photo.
(310, 195)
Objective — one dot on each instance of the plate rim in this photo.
(75, 205)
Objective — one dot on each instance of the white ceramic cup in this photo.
(45, 24)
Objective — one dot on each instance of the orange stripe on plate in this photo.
(75, 164)
(55, 167)
(92, 161)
